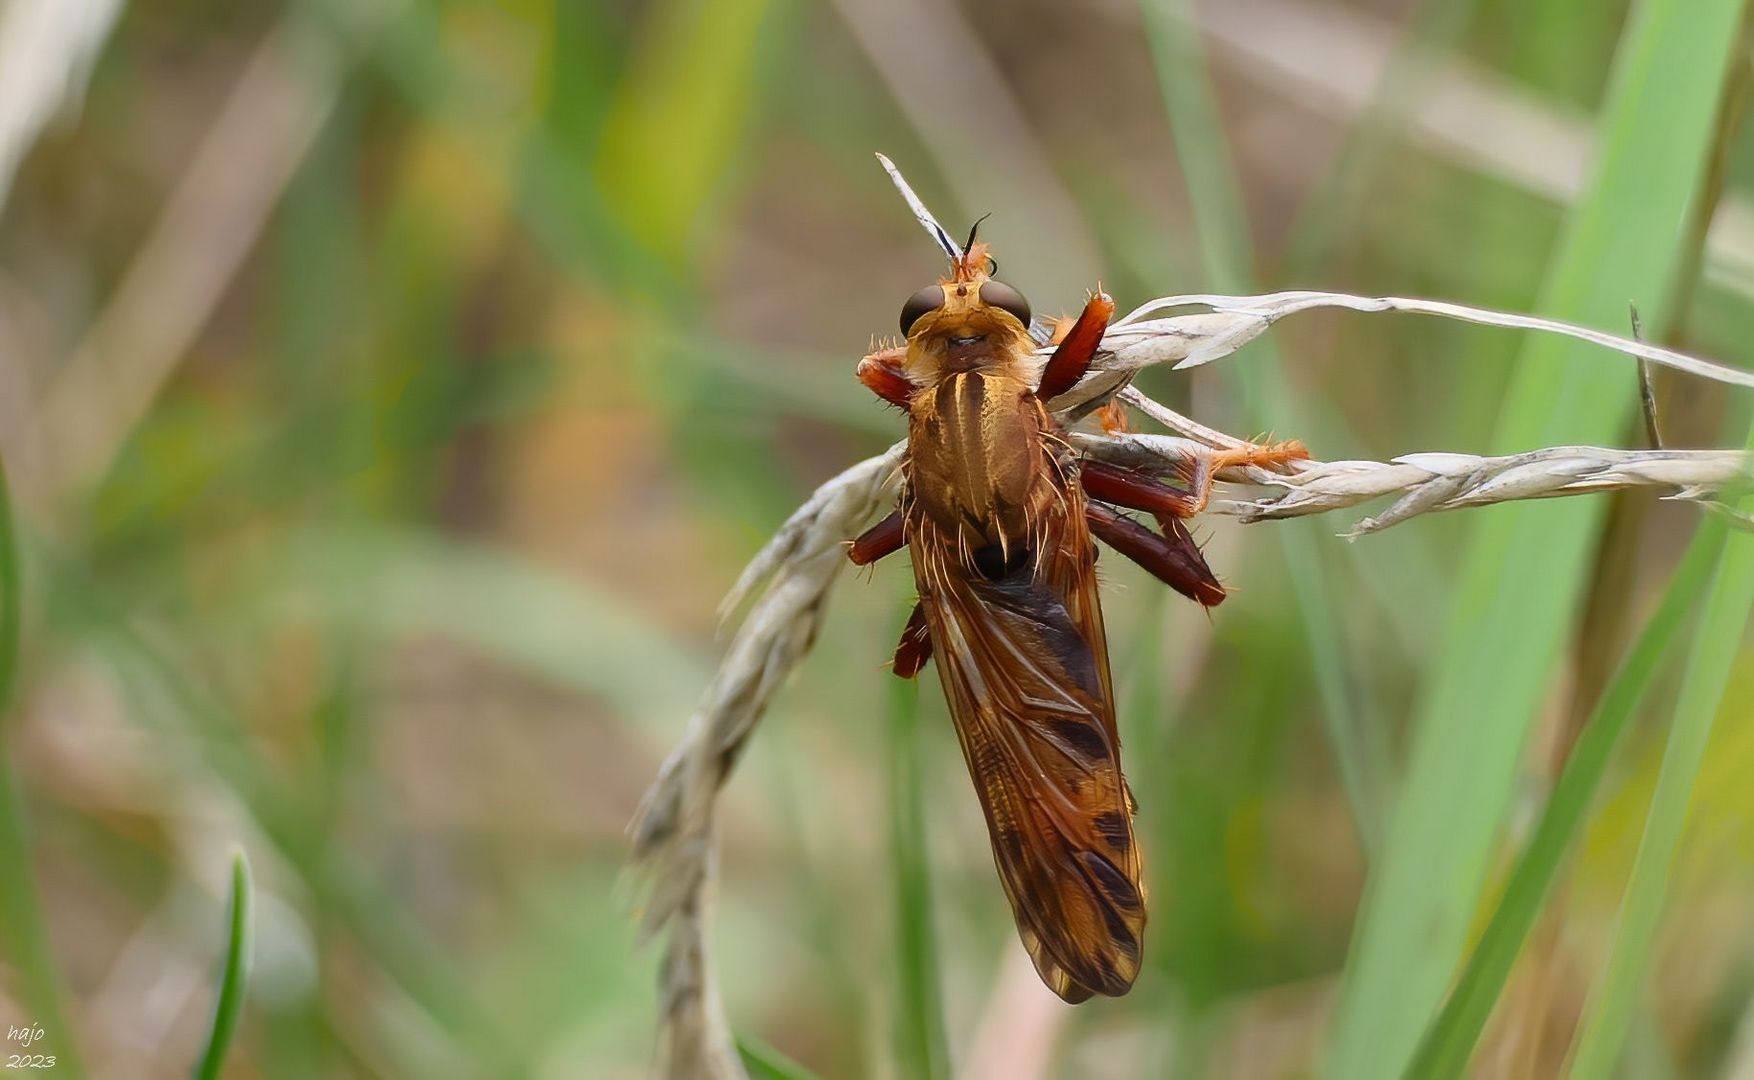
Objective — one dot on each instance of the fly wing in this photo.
(1025, 670)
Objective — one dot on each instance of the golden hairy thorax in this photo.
(979, 466)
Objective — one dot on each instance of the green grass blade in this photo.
(674, 125)
(1517, 585)
(21, 921)
(11, 613)
(1146, 717)
(1450, 1041)
(1225, 247)
(234, 976)
(763, 1062)
(921, 1047)
(1331, 212)
(1715, 645)
(167, 700)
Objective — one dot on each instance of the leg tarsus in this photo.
(915, 646)
(1113, 418)
(1072, 356)
(884, 538)
(1173, 558)
(1264, 454)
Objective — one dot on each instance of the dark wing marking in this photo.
(1025, 669)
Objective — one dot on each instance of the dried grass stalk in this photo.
(673, 831)
(1438, 481)
(1193, 340)
(47, 48)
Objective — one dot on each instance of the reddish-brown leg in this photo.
(1135, 490)
(882, 372)
(884, 538)
(1195, 473)
(915, 646)
(1072, 356)
(1173, 558)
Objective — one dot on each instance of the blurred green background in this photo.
(389, 390)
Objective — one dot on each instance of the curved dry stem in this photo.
(1438, 481)
(673, 830)
(1206, 336)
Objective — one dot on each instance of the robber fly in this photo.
(998, 512)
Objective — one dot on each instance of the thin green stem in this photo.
(921, 1046)
(234, 976)
(22, 930)
(763, 1062)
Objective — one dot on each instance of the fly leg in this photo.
(1194, 474)
(1172, 556)
(1265, 455)
(1076, 349)
(885, 538)
(882, 373)
(915, 646)
(1137, 491)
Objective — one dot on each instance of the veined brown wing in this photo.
(1025, 669)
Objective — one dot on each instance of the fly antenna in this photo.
(968, 245)
(923, 215)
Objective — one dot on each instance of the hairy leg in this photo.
(1076, 349)
(884, 538)
(883, 374)
(915, 646)
(1194, 476)
(1137, 491)
(1173, 557)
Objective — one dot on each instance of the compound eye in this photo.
(1005, 298)
(924, 302)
